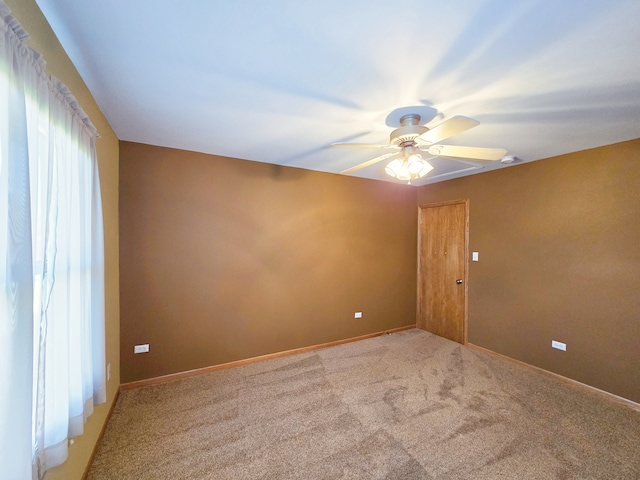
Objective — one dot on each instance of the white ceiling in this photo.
(278, 81)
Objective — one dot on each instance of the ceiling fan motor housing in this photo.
(406, 134)
(408, 131)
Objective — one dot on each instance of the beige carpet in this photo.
(404, 406)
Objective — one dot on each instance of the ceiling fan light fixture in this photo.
(398, 169)
(407, 170)
(410, 166)
(394, 168)
(404, 175)
(415, 164)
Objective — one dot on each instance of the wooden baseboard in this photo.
(99, 440)
(602, 393)
(199, 371)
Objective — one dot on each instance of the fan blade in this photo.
(448, 128)
(364, 145)
(369, 162)
(476, 153)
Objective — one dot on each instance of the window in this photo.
(51, 263)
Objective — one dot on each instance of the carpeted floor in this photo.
(405, 406)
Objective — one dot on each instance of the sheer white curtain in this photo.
(52, 368)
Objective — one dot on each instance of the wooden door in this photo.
(442, 269)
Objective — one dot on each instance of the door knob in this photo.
(459, 281)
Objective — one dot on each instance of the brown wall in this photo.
(225, 259)
(44, 41)
(559, 246)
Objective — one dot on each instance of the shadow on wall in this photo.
(279, 173)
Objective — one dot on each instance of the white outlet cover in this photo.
(474, 256)
(358, 315)
(141, 348)
(559, 345)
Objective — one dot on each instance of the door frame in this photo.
(419, 298)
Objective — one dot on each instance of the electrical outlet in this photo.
(358, 315)
(141, 348)
(559, 345)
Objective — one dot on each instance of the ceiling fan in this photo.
(411, 140)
